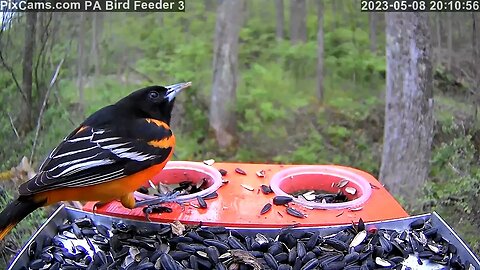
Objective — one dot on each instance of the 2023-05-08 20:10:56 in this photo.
(420, 5)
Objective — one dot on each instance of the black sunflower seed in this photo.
(220, 266)
(281, 257)
(267, 207)
(430, 232)
(284, 267)
(338, 265)
(206, 234)
(266, 189)
(275, 248)
(281, 200)
(301, 250)
(311, 264)
(167, 261)
(143, 190)
(234, 243)
(297, 265)
(256, 253)
(294, 212)
(179, 255)
(213, 254)
(240, 171)
(336, 244)
(310, 255)
(221, 246)
(223, 172)
(201, 202)
(77, 231)
(37, 264)
(211, 196)
(417, 224)
(270, 260)
(312, 242)
(352, 257)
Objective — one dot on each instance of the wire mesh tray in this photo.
(49, 228)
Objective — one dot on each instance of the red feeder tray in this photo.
(237, 206)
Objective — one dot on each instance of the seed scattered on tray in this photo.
(247, 187)
(211, 196)
(223, 172)
(342, 183)
(281, 200)
(260, 173)
(294, 212)
(201, 202)
(209, 162)
(266, 189)
(240, 171)
(323, 196)
(188, 186)
(118, 245)
(267, 207)
(350, 190)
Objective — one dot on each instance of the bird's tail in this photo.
(14, 213)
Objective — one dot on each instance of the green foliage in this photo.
(456, 174)
(455, 186)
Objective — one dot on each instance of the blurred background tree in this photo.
(271, 62)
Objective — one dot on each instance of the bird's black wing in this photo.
(92, 156)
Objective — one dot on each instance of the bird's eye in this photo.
(153, 95)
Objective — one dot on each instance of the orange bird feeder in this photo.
(240, 198)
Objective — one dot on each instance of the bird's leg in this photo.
(128, 200)
(150, 205)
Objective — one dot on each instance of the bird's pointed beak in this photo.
(174, 89)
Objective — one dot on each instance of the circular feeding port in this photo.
(322, 187)
(190, 179)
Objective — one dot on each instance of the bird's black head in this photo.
(153, 102)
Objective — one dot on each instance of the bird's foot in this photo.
(154, 205)
(171, 197)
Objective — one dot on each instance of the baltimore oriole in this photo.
(109, 156)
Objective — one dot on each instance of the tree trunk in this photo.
(439, 30)
(449, 40)
(223, 101)
(372, 21)
(334, 14)
(81, 63)
(476, 62)
(298, 23)
(210, 5)
(26, 115)
(280, 18)
(320, 92)
(409, 105)
(97, 27)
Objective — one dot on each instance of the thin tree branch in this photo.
(9, 19)
(42, 110)
(13, 126)
(44, 40)
(143, 75)
(12, 73)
